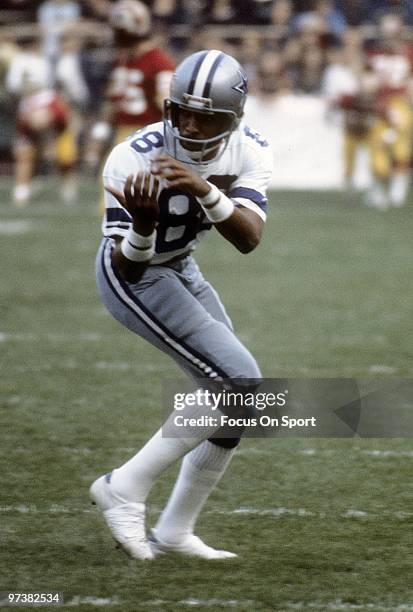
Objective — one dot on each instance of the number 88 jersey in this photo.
(242, 172)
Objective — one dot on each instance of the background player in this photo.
(138, 83)
(168, 185)
(390, 57)
(361, 112)
(43, 131)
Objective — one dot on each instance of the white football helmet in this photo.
(132, 17)
(211, 82)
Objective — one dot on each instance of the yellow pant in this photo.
(391, 141)
(352, 143)
(66, 148)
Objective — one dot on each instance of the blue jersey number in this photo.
(180, 220)
(255, 136)
(147, 142)
(180, 215)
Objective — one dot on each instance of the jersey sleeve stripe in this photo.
(250, 194)
(248, 204)
(117, 214)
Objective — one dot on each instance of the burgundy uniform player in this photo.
(138, 83)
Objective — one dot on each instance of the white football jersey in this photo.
(242, 172)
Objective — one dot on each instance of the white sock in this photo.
(201, 470)
(377, 195)
(21, 193)
(135, 478)
(399, 186)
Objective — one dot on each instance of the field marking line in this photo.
(195, 601)
(93, 600)
(350, 513)
(381, 453)
(16, 227)
(339, 604)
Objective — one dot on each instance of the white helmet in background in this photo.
(132, 17)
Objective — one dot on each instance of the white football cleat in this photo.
(126, 520)
(191, 546)
(21, 195)
(376, 197)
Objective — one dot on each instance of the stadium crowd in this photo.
(358, 54)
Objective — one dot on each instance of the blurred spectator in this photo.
(254, 12)
(69, 74)
(360, 12)
(272, 77)
(219, 12)
(249, 56)
(204, 39)
(247, 12)
(304, 55)
(96, 59)
(282, 19)
(309, 71)
(169, 12)
(272, 87)
(28, 68)
(54, 16)
(340, 75)
(22, 10)
(99, 9)
(331, 20)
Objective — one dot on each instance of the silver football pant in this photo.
(176, 310)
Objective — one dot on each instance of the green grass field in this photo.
(318, 524)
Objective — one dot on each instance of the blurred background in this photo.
(330, 85)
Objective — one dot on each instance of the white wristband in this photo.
(216, 205)
(138, 248)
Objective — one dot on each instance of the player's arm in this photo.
(243, 228)
(133, 252)
(240, 226)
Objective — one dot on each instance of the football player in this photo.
(138, 83)
(42, 131)
(391, 59)
(166, 187)
(361, 111)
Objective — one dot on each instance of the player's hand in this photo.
(139, 198)
(179, 175)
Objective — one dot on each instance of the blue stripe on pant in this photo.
(177, 311)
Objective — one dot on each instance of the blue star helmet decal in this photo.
(242, 86)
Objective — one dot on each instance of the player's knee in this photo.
(244, 366)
